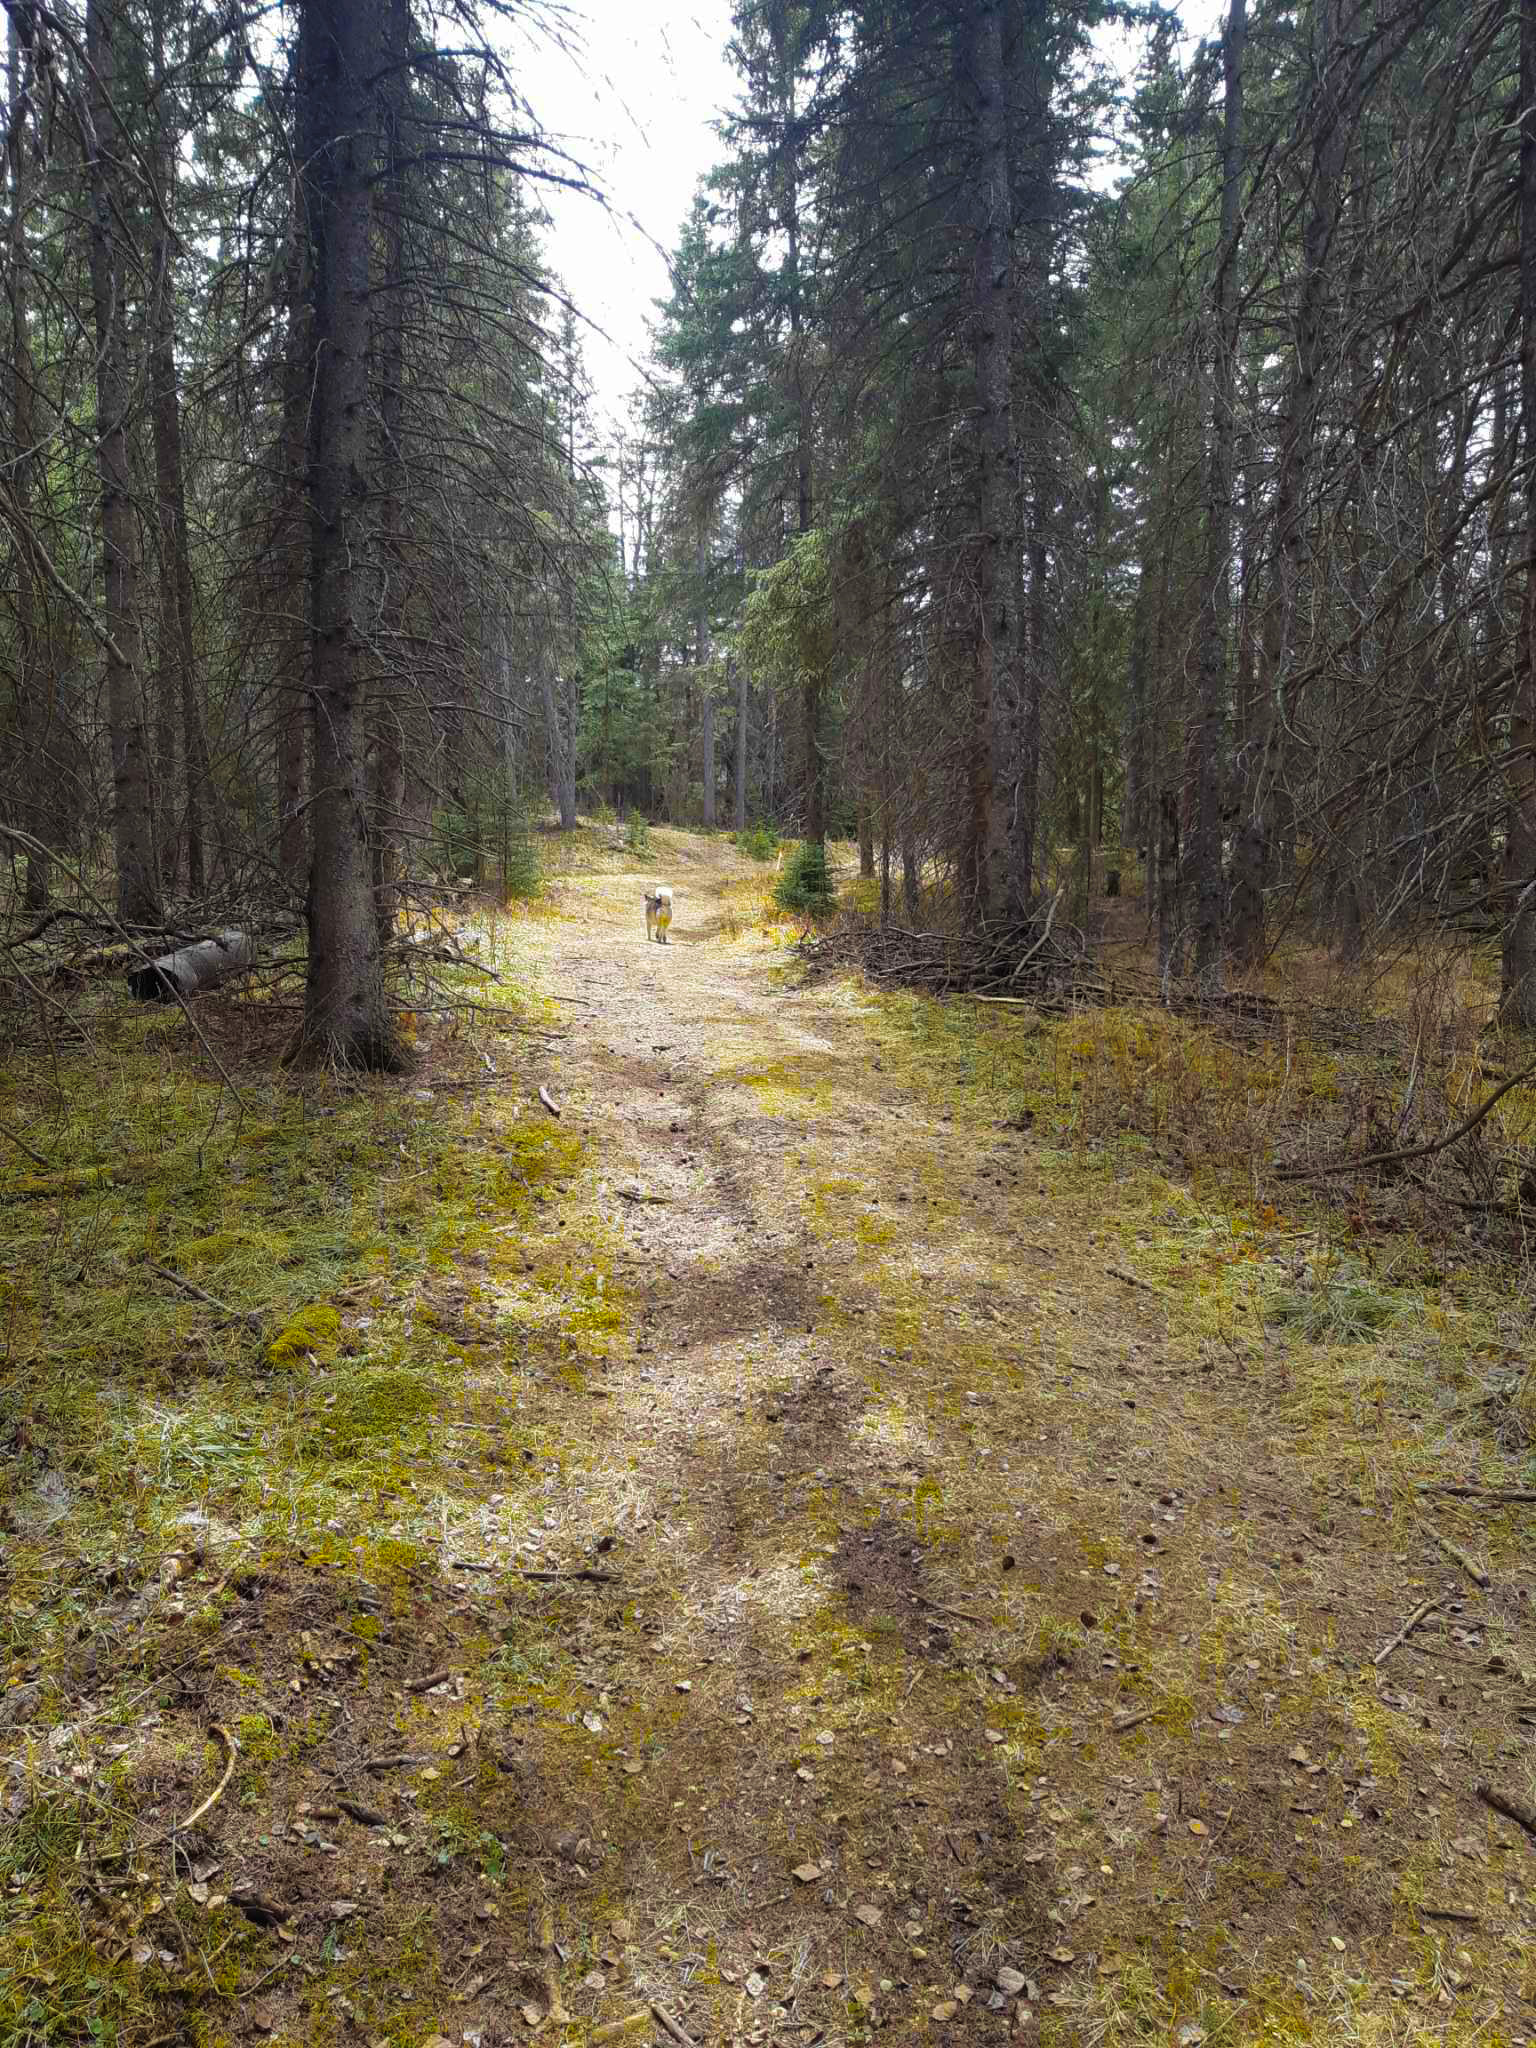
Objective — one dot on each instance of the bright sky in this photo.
(633, 93)
(633, 96)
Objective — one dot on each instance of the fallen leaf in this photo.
(825, 1737)
(1009, 1981)
(1063, 1955)
(532, 2017)
(831, 1980)
(343, 1909)
(806, 1775)
(1198, 1827)
(944, 2010)
(754, 1984)
(634, 1770)
(807, 1873)
(1337, 1943)
(593, 1723)
(870, 1915)
(623, 1930)
(995, 1735)
(594, 1980)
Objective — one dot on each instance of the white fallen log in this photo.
(190, 969)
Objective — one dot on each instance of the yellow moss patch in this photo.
(314, 1334)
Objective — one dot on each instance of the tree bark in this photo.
(1203, 887)
(1264, 829)
(739, 790)
(1519, 951)
(177, 653)
(193, 968)
(707, 702)
(346, 1012)
(138, 891)
(995, 679)
(293, 703)
(33, 683)
(388, 795)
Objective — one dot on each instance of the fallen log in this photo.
(191, 969)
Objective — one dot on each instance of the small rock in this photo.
(1011, 1981)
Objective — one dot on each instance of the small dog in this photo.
(658, 913)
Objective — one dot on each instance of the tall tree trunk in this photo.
(707, 702)
(388, 795)
(138, 891)
(1519, 955)
(293, 701)
(739, 788)
(346, 1012)
(812, 707)
(177, 655)
(995, 679)
(1332, 116)
(33, 682)
(1203, 888)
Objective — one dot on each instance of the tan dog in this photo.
(658, 912)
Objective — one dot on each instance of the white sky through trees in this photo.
(633, 93)
(632, 89)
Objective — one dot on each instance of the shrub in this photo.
(1334, 1303)
(758, 842)
(521, 875)
(637, 834)
(805, 883)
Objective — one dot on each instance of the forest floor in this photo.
(798, 1550)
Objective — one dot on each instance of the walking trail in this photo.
(987, 1651)
(790, 1552)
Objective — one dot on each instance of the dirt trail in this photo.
(783, 1548)
(986, 1666)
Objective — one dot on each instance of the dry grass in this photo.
(974, 1499)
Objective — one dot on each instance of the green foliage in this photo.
(637, 834)
(806, 883)
(758, 842)
(1336, 1303)
(790, 633)
(521, 875)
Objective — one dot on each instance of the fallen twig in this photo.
(233, 1749)
(21, 1145)
(1425, 1607)
(1469, 1565)
(1467, 1125)
(1510, 1805)
(398, 1760)
(432, 1678)
(365, 1816)
(670, 2027)
(235, 1315)
(549, 1102)
(1124, 1723)
(1131, 1280)
(1451, 1913)
(1489, 1493)
(591, 1578)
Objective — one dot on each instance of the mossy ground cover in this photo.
(836, 1519)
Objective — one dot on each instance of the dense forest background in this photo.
(1069, 451)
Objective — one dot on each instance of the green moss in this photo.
(313, 1336)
